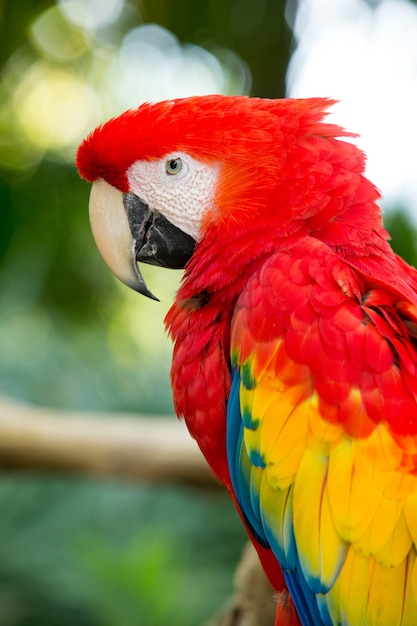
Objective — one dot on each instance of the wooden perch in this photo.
(144, 448)
(254, 601)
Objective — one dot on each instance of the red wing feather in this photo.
(328, 443)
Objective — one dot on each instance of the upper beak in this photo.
(126, 231)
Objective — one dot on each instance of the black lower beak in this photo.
(156, 240)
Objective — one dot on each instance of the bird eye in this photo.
(173, 166)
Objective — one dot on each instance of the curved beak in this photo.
(126, 231)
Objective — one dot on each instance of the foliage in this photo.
(103, 554)
(403, 234)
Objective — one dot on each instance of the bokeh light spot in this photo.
(53, 36)
(54, 107)
(91, 14)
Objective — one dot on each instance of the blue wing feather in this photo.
(241, 469)
(240, 465)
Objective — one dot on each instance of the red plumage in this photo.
(293, 271)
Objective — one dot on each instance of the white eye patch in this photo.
(178, 186)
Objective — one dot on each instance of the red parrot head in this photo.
(165, 173)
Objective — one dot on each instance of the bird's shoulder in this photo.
(322, 432)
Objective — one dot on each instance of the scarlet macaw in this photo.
(294, 330)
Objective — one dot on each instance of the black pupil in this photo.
(173, 165)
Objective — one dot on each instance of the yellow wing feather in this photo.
(349, 503)
(334, 487)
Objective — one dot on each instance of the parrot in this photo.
(294, 334)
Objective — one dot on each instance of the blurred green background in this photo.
(76, 551)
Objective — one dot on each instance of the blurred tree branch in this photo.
(151, 449)
(141, 448)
